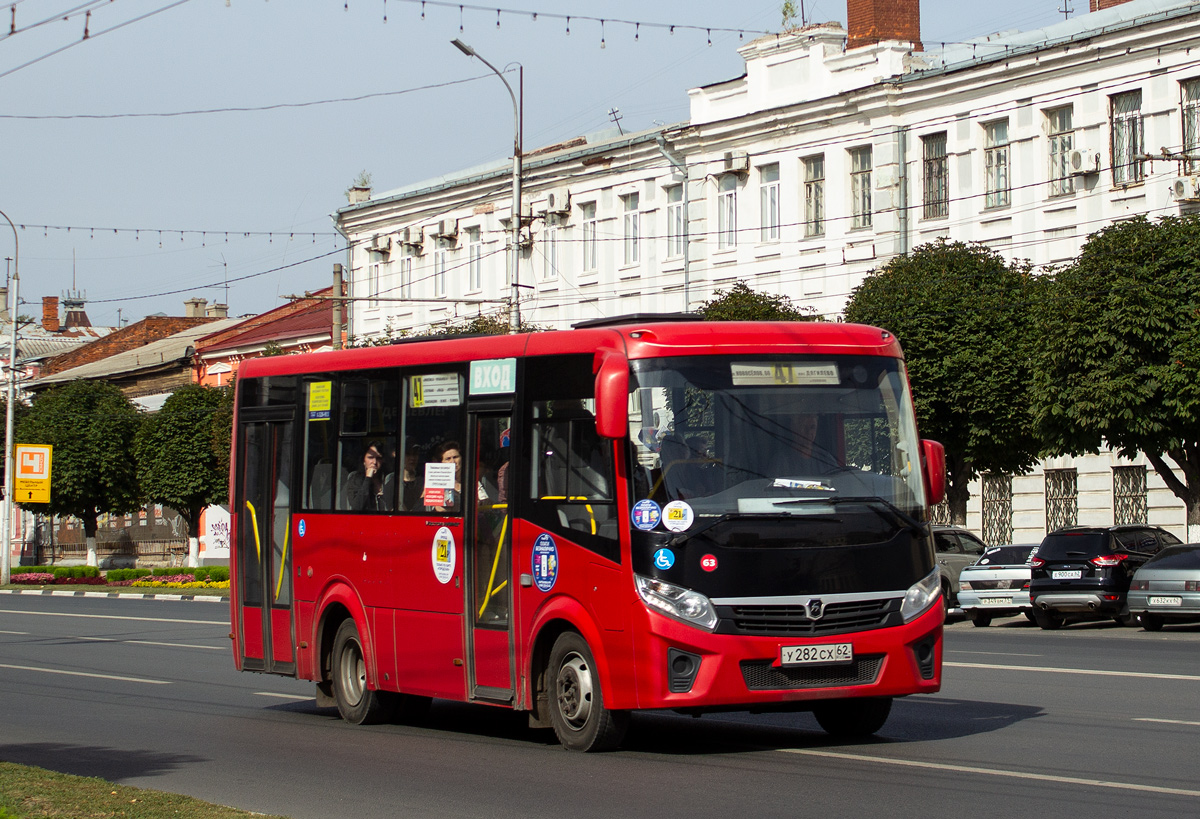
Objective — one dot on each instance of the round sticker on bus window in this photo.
(444, 556)
(677, 516)
(545, 562)
(646, 514)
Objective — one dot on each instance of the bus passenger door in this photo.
(264, 554)
(490, 561)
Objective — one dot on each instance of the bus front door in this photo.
(490, 562)
(264, 554)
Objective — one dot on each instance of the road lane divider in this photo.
(996, 772)
(1167, 721)
(1090, 672)
(149, 643)
(91, 674)
(281, 696)
(116, 617)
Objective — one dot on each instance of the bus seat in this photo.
(320, 488)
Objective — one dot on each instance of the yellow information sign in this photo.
(31, 483)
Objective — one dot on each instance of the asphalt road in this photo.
(1090, 721)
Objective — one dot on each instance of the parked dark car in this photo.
(956, 549)
(1167, 588)
(1084, 572)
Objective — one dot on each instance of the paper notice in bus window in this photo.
(439, 390)
(779, 374)
(320, 400)
(439, 476)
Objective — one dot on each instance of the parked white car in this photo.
(997, 585)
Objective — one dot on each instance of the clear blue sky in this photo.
(283, 171)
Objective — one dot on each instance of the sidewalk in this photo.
(110, 594)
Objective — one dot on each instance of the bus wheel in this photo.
(355, 702)
(853, 718)
(577, 711)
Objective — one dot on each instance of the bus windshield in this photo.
(775, 434)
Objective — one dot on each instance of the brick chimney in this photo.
(50, 314)
(194, 307)
(1100, 5)
(217, 311)
(871, 21)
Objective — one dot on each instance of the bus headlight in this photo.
(921, 595)
(683, 604)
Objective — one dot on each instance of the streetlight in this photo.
(514, 315)
(6, 516)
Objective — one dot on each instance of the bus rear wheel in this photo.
(355, 702)
(853, 718)
(577, 712)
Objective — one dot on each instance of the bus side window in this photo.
(573, 472)
(366, 462)
(433, 419)
(321, 474)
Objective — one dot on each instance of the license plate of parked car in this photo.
(996, 601)
(1166, 601)
(1072, 574)
(830, 654)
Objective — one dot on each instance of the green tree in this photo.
(182, 456)
(740, 303)
(491, 324)
(91, 425)
(963, 316)
(1119, 353)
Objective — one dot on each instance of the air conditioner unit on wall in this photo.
(411, 239)
(1186, 189)
(558, 200)
(737, 162)
(1082, 162)
(445, 229)
(380, 244)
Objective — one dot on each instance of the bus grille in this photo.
(762, 676)
(793, 621)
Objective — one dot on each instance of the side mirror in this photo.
(612, 394)
(933, 463)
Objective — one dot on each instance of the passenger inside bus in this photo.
(451, 453)
(369, 487)
(797, 450)
(411, 483)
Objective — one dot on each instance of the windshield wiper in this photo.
(684, 537)
(873, 501)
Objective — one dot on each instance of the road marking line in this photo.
(22, 633)
(941, 766)
(280, 696)
(1094, 672)
(150, 643)
(116, 617)
(995, 653)
(84, 674)
(1167, 721)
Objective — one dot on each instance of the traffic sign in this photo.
(31, 483)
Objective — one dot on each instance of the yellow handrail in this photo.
(283, 558)
(254, 519)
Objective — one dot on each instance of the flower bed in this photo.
(204, 577)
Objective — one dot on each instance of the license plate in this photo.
(830, 654)
(996, 601)
(1073, 574)
(1166, 601)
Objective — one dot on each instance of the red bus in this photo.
(639, 513)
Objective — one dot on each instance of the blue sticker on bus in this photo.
(545, 562)
(664, 559)
(646, 515)
(301, 527)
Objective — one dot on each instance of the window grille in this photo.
(1062, 499)
(937, 176)
(997, 509)
(1129, 494)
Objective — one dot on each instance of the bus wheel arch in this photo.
(357, 702)
(575, 700)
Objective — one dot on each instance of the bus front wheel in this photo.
(355, 702)
(581, 722)
(853, 718)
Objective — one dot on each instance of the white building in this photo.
(835, 151)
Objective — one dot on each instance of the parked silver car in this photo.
(1166, 589)
(956, 549)
(997, 585)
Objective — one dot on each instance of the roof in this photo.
(296, 321)
(155, 355)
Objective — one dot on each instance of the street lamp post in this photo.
(6, 516)
(514, 315)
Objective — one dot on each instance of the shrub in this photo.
(33, 578)
(218, 574)
(118, 575)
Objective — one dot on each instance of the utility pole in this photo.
(6, 516)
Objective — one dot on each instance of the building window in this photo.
(373, 274)
(590, 251)
(997, 509)
(995, 159)
(727, 212)
(860, 187)
(439, 272)
(474, 260)
(550, 248)
(675, 217)
(1191, 123)
(814, 195)
(1062, 499)
(1062, 140)
(406, 266)
(768, 203)
(631, 228)
(1129, 494)
(1127, 138)
(937, 176)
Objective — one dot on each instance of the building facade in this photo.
(835, 151)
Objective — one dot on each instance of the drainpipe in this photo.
(338, 305)
(902, 182)
(680, 164)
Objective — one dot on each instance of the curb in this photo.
(201, 598)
